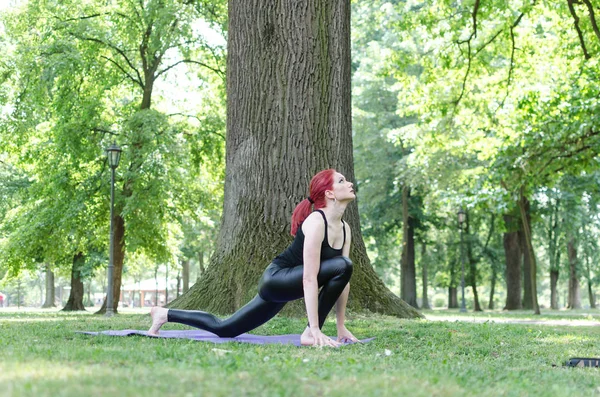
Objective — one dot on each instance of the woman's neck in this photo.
(334, 211)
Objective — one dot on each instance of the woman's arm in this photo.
(314, 232)
(340, 305)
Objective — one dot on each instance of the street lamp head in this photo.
(462, 216)
(114, 155)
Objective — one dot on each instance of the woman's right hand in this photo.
(320, 339)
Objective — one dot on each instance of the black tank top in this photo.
(294, 254)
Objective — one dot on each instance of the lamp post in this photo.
(462, 216)
(113, 153)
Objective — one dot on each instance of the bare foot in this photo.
(306, 339)
(159, 317)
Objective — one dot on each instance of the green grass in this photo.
(41, 355)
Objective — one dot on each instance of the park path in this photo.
(554, 322)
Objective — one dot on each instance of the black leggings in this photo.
(277, 287)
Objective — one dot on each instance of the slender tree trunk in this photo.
(472, 261)
(492, 287)
(49, 302)
(591, 295)
(554, 254)
(75, 302)
(574, 288)
(527, 300)
(408, 271)
(523, 206)
(288, 117)
(118, 257)
(512, 253)
(201, 268)
(156, 285)
(452, 298)
(553, 291)
(185, 273)
(166, 284)
(425, 299)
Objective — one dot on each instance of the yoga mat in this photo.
(205, 336)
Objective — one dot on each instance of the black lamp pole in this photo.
(114, 155)
(461, 220)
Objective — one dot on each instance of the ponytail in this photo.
(318, 185)
(301, 212)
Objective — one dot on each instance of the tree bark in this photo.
(574, 300)
(75, 302)
(553, 290)
(512, 253)
(288, 117)
(424, 299)
(50, 300)
(523, 206)
(408, 271)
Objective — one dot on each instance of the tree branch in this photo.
(123, 70)
(194, 117)
(217, 71)
(102, 130)
(114, 47)
(592, 18)
(578, 29)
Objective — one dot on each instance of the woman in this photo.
(318, 257)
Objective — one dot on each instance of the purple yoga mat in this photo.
(205, 336)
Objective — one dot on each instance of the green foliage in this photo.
(82, 71)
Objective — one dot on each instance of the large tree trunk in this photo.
(408, 280)
(574, 289)
(523, 208)
(512, 254)
(49, 302)
(75, 302)
(553, 291)
(425, 298)
(288, 117)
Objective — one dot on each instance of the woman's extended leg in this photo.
(257, 312)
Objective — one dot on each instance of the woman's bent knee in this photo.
(348, 266)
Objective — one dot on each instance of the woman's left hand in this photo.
(345, 336)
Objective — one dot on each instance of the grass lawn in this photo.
(449, 354)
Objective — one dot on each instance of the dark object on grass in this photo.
(205, 336)
(583, 362)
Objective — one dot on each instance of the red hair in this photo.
(318, 185)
